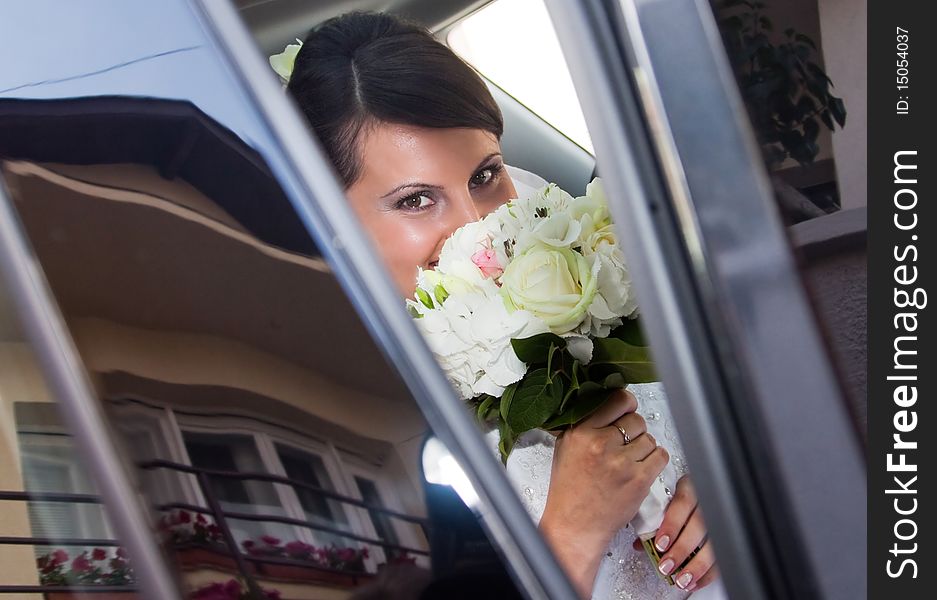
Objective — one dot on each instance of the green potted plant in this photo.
(787, 94)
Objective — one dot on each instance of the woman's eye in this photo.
(416, 202)
(483, 177)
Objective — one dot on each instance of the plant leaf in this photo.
(633, 362)
(573, 384)
(506, 398)
(838, 110)
(506, 441)
(536, 349)
(534, 401)
(803, 39)
(481, 412)
(591, 395)
(811, 129)
(630, 332)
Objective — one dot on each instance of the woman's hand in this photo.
(597, 485)
(682, 532)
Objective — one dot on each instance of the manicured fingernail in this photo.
(684, 580)
(691, 587)
(662, 542)
(666, 566)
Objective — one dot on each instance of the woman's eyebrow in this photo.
(415, 184)
(486, 159)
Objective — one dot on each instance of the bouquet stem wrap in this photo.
(647, 521)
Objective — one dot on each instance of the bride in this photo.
(414, 135)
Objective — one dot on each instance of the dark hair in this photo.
(362, 68)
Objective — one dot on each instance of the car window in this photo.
(512, 43)
(277, 450)
(259, 372)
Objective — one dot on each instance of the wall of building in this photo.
(20, 381)
(843, 25)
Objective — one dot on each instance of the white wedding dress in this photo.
(625, 573)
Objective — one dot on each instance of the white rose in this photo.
(557, 285)
(540, 218)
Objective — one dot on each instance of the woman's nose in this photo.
(463, 210)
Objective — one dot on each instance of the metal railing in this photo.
(247, 564)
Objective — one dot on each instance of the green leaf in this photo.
(414, 312)
(423, 297)
(615, 381)
(550, 354)
(803, 39)
(440, 293)
(838, 110)
(483, 407)
(591, 396)
(733, 23)
(811, 129)
(806, 105)
(534, 401)
(633, 362)
(573, 384)
(630, 332)
(506, 398)
(827, 120)
(506, 441)
(536, 349)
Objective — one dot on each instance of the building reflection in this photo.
(273, 442)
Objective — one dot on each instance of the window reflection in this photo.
(275, 445)
(801, 76)
(54, 531)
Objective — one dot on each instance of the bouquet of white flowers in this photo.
(531, 315)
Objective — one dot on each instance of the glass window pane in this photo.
(307, 468)
(512, 43)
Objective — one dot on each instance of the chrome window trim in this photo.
(321, 205)
(777, 534)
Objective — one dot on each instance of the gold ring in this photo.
(624, 434)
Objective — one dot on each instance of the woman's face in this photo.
(418, 185)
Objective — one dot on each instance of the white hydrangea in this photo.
(470, 334)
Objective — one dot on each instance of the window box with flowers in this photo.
(196, 541)
(99, 567)
(331, 564)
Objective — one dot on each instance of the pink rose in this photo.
(487, 262)
(99, 554)
(59, 556)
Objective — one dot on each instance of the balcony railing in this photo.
(248, 565)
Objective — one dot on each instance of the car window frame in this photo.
(762, 498)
